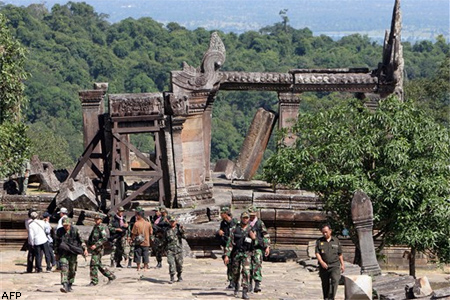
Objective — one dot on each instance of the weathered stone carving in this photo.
(362, 216)
(145, 104)
(178, 106)
(205, 77)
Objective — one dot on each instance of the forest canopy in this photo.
(72, 46)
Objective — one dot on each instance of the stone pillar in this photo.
(362, 216)
(288, 104)
(254, 145)
(182, 195)
(92, 107)
(170, 199)
(207, 124)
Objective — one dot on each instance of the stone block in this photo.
(358, 287)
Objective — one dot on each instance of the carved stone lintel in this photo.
(145, 104)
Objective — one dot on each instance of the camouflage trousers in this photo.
(117, 251)
(68, 268)
(240, 263)
(256, 267)
(96, 265)
(158, 248)
(175, 261)
(128, 251)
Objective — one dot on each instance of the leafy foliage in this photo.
(13, 142)
(397, 154)
(71, 46)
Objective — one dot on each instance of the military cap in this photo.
(224, 210)
(67, 221)
(171, 219)
(245, 215)
(156, 208)
(98, 216)
(138, 209)
(252, 210)
(163, 209)
(121, 208)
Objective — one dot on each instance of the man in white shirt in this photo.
(37, 239)
(63, 215)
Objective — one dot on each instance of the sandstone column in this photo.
(288, 111)
(362, 216)
(92, 108)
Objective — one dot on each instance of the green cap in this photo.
(245, 215)
(252, 210)
(224, 210)
(163, 209)
(171, 219)
(138, 209)
(98, 216)
(121, 208)
(67, 221)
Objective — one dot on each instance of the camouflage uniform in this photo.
(117, 239)
(174, 238)
(68, 260)
(226, 226)
(98, 237)
(261, 243)
(240, 249)
(160, 225)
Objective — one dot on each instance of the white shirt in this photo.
(36, 233)
(48, 231)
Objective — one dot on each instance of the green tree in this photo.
(13, 142)
(49, 146)
(397, 155)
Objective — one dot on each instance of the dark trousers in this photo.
(30, 259)
(38, 250)
(330, 281)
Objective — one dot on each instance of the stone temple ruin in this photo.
(113, 172)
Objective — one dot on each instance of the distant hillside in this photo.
(421, 19)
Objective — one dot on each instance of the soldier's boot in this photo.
(231, 285)
(65, 288)
(172, 279)
(129, 263)
(159, 265)
(257, 286)
(250, 285)
(119, 265)
(236, 289)
(111, 279)
(70, 287)
(180, 279)
(244, 293)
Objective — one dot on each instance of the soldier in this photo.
(118, 229)
(223, 235)
(331, 262)
(239, 248)
(160, 225)
(174, 236)
(262, 245)
(96, 242)
(68, 245)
